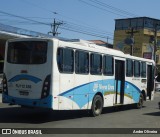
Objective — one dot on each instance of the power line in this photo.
(66, 24)
(86, 33)
(113, 8)
(65, 28)
(69, 23)
(57, 13)
(103, 6)
(24, 18)
(87, 29)
(77, 28)
(84, 27)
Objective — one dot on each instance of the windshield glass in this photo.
(27, 52)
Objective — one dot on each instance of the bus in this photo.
(74, 75)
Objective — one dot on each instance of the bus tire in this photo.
(139, 105)
(97, 105)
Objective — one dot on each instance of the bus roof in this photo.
(87, 45)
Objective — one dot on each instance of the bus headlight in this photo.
(46, 87)
(5, 87)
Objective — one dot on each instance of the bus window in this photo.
(27, 52)
(108, 65)
(65, 60)
(136, 68)
(96, 64)
(129, 68)
(82, 62)
(143, 69)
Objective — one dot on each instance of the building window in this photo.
(129, 68)
(147, 55)
(148, 23)
(140, 23)
(108, 65)
(134, 23)
(96, 64)
(82, 62)
(119, 24)
(143, 69)
(65, 60)
(136, 68)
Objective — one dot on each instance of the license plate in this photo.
(24, 93)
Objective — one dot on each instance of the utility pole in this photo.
(107, 41)
(155, 41)
(132, 32)
(54, 26)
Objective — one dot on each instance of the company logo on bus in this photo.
(25, 77)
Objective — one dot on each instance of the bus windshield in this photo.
(27, 52)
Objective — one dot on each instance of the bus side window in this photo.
(65, 60)
(96, 64)
(81, 62)
(143, 69)
(108, 65)
(136, 68)
(129, 68)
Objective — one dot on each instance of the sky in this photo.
(81, 19)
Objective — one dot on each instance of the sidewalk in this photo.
(157, 94)
(0, 97)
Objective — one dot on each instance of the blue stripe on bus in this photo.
(83, 94)
(135, 91)
(46, 102)
(24, 77)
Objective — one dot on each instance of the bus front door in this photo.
(150, 81)
(119, 81)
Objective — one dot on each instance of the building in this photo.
(102, 43)
(8, 32)
(143, 29)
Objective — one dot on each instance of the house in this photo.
(102, 43)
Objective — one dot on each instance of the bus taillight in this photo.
(46, 87)
(5, 87)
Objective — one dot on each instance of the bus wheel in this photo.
(140, 103)
(97, 106)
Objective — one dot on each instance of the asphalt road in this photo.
(125, 117)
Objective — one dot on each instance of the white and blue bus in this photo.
(73, 75)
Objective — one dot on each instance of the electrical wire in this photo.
(69, 28)
(100, 8)
(113, 8)
(84, 27)
(24, 18)
(59, 14)
(86, 33)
